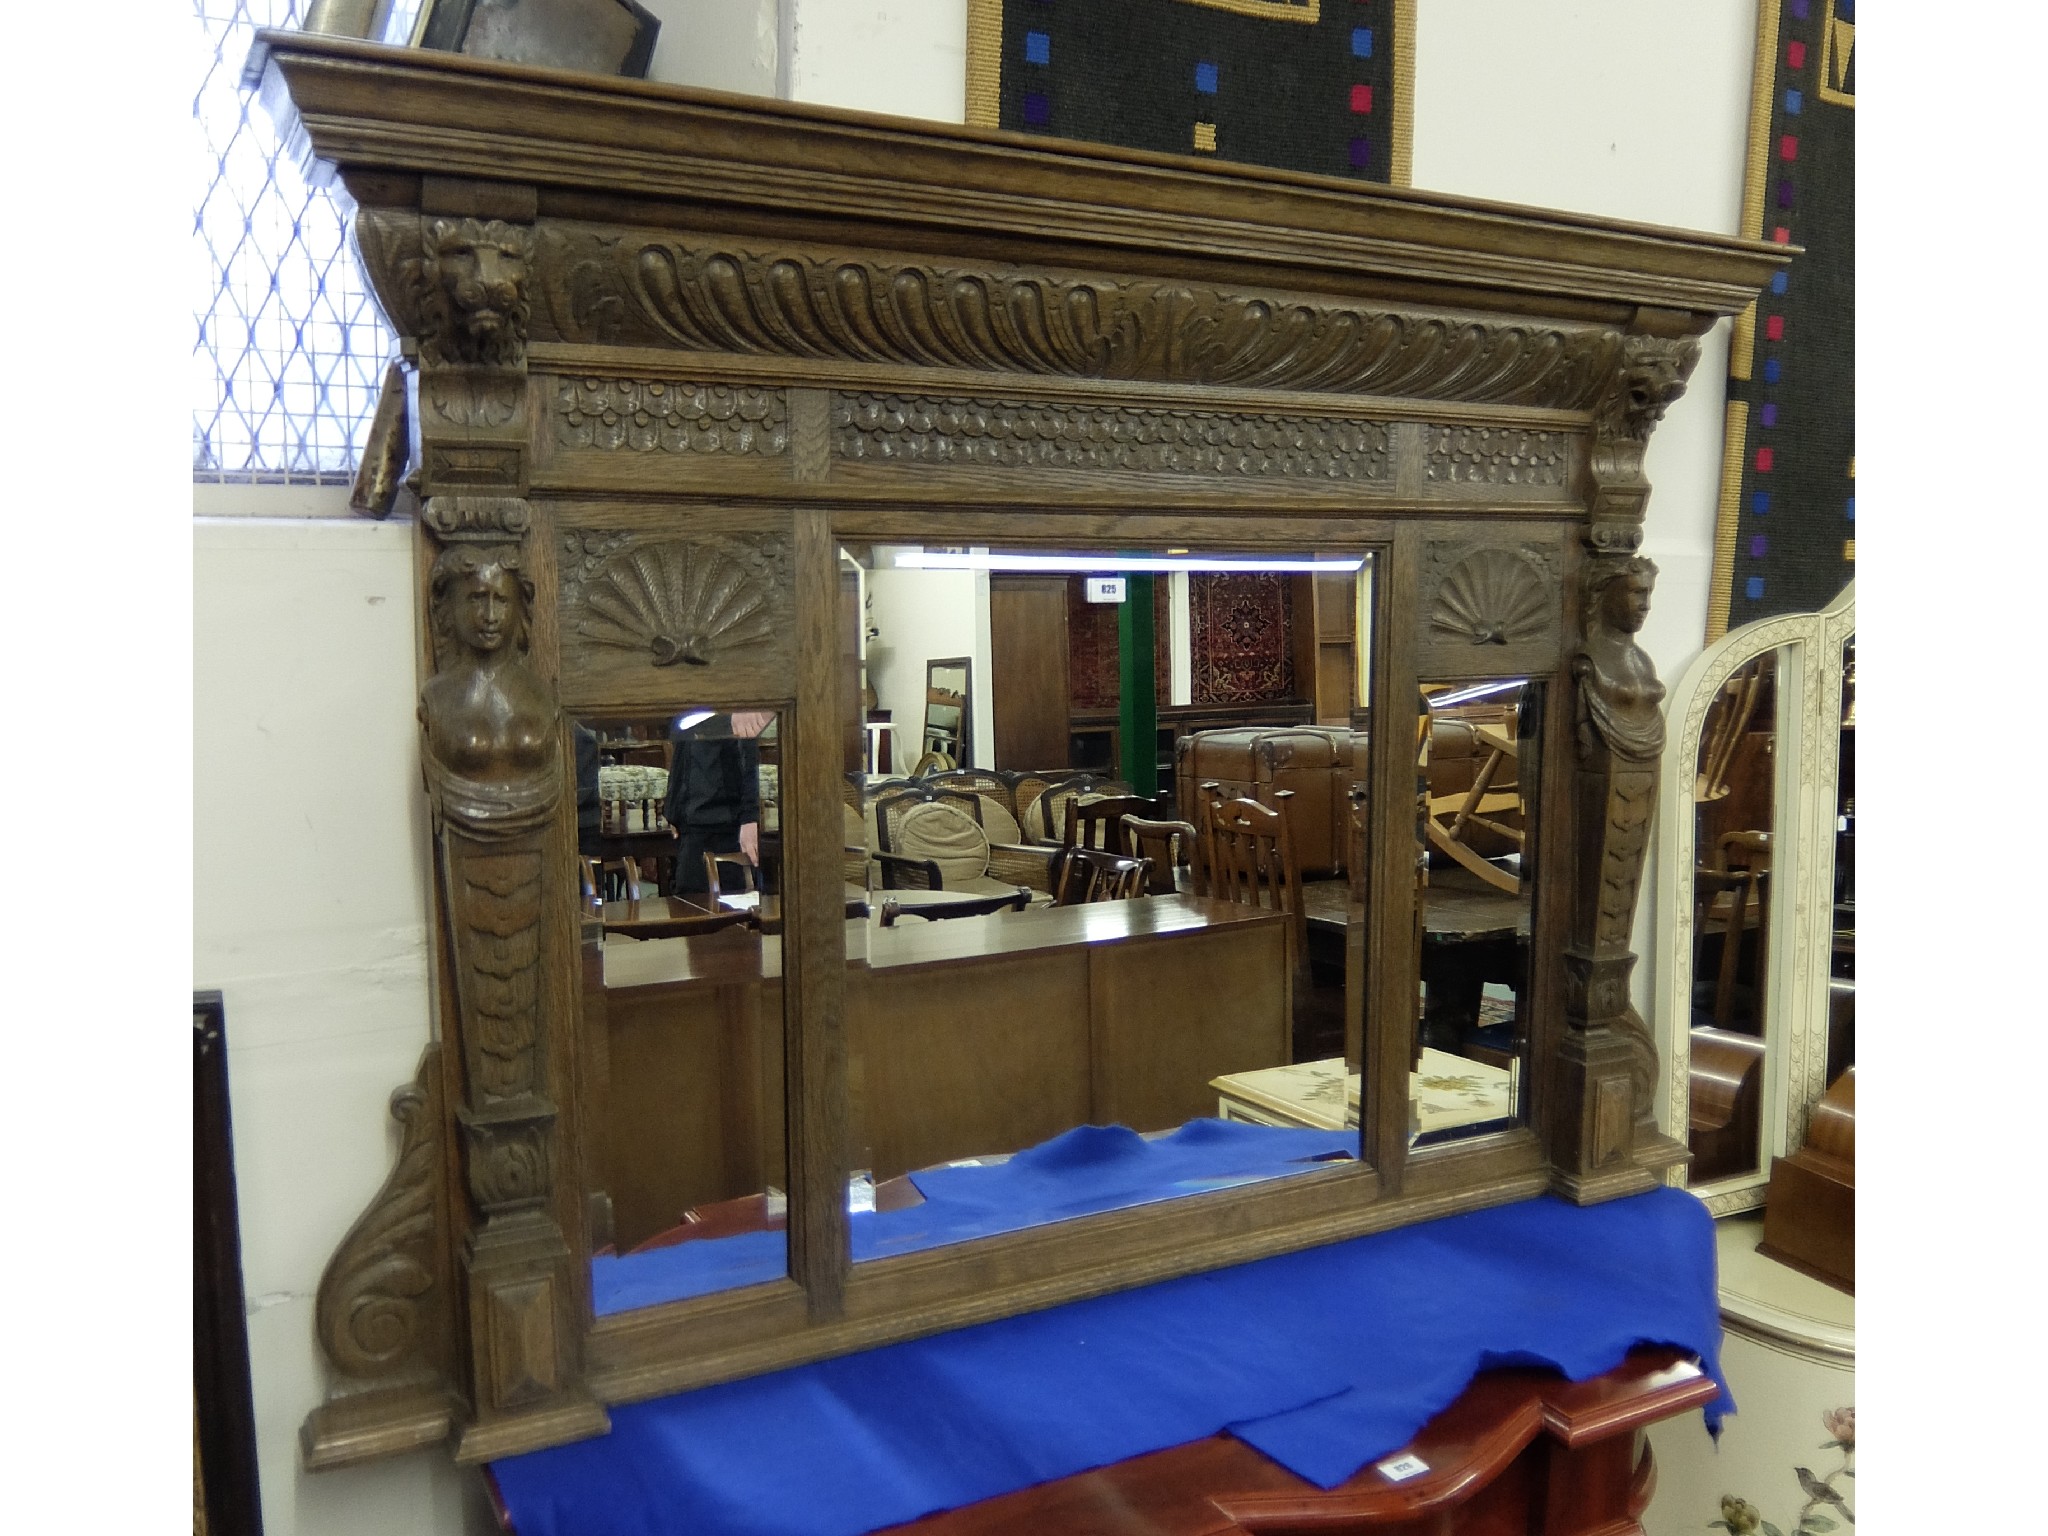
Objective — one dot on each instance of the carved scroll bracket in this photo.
(1651, 375)
(382, 1311)
(458, 288)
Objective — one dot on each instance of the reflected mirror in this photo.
(679, 843)
(1734, 812)
(1842, 950)
(948, 728)
(1119, 958)
(1478, 752)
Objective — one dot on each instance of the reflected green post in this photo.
(1138, 711)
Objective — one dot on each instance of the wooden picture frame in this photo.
(1801, 920)
(680, 331)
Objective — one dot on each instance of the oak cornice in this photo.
(398, 110)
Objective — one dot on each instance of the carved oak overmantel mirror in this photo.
(746, 1056)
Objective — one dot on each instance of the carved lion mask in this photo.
(473, 290)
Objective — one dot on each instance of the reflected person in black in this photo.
(714, 792)
(589, 811)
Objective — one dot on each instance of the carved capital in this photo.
(382, 1312)
(477, 519)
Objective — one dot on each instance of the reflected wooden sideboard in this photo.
(1114, 1013)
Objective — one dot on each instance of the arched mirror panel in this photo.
(1755, 915)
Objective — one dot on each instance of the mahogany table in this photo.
(1521, 1453)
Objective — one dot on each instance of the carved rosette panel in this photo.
(613, 288)
(509, 1164)
(671, 416)
(377, 1314)
(691, 602)
(1495, 456)
(1029, 434)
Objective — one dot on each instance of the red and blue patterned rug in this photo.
(1786, 539)
(1300, 85)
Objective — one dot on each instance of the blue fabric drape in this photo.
(1325, 1360)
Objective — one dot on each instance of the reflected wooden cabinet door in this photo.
(1027, 623)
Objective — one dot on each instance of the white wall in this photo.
(308, 822)
(309, 914)
(904, 57)
(719, 45)
(923, 616)
(1633, 109)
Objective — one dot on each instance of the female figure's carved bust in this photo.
(1619, 694)
(492, 731)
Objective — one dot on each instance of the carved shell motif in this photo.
(1495, 597)
(681, 602)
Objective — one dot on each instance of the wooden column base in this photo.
(1593, 1148)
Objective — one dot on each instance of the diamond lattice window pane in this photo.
(291, 347)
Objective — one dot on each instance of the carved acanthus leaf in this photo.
(372, 1311)
(866, 308)
(1039, 434)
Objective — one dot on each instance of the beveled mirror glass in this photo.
(1479, 754)
(679, 837)
(1084, 990)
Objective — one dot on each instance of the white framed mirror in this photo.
(1746, 896)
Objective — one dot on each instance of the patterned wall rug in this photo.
(1786, 536)
(1238, 637)
(1302, 85)
(1094, 678)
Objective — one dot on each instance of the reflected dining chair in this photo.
(1169, 845)
(1251, 862)
(716, 863)
(1097, 822)
(1095, 874)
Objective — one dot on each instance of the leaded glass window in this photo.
(291, 348)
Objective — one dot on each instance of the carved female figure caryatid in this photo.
(1621, 738)
(1620, 697)
(492, 750)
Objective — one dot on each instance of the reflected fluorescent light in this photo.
(694, 717)
(1111, 564)
(1476, 691)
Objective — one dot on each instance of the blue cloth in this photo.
(1089, 1169)
(1325, 1360)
